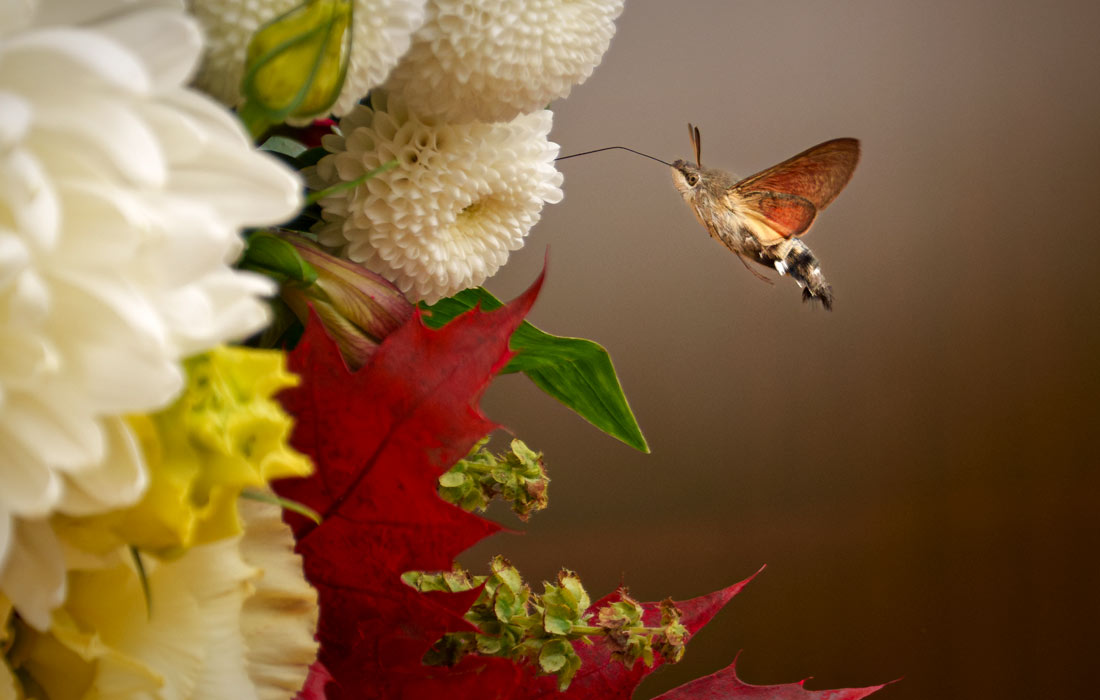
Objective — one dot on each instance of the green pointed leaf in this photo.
(575, 371)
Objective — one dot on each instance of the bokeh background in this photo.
(918, 469)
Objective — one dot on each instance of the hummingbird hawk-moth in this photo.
(762, 217)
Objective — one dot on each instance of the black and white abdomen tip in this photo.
(804, 267)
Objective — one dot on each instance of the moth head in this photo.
(686, 176)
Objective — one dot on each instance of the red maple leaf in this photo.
(379, 439)
(725, 685)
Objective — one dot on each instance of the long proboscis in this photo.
(611, 148)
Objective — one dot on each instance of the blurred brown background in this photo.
(918, 468)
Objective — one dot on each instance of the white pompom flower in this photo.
(122, 195)
(381, 32)
(460, 199)
(491, 60)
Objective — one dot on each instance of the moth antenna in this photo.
(698, 148)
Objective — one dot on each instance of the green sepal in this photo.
(277, 259)
(574, 371)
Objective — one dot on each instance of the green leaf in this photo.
(575, 371)
(276, 258)
(311, 157)
(284, 145)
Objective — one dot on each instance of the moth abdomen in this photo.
(803, 266)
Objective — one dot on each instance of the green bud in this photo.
(296, 63)
(518, 476)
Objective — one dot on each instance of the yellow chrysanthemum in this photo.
(224, 434)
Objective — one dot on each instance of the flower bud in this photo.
(296, 63)
(358, 307)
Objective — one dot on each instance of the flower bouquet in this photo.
(244, 341)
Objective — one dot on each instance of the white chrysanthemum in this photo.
(491, 60)
(122, 194)
(381, 33)
(460, 199)
(228, 620)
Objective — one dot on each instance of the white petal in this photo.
(217, 579)
(33, 578)
(62, 54)
(241, 184)
(27, 359)
(29, 490)
(120, 481)
(112, 132)
(110, 230)
(167, 43)
(28, 194)
(278, 621)
(65, 439)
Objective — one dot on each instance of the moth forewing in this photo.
(819, 173)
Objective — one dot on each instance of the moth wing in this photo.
(817, 174)
(777, 215)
